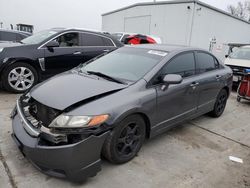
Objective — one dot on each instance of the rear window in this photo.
(241, 53)
(117, 35)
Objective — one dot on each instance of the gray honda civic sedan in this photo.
(111, 104)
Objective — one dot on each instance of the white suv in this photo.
(238, 61)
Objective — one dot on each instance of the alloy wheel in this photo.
(221, 103)
(21, 78)
(129, 140)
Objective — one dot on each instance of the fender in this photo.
(10, 61)
(136, 110)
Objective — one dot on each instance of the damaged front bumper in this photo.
(75, 161)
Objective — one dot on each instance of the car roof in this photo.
(16, 31)
(79, 29)
(104, 33)
(165, 47)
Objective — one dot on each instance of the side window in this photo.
(68, 40)
(107, 42)
(183, 65)
(8, 36)
(92, 40)
(205, 62)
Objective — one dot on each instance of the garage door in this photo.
(140, 24)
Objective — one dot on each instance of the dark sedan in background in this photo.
(12, 35)
(110, 105)
(47, 53)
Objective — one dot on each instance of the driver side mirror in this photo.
(172, 79)
(52, 44)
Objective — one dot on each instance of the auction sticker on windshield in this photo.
(160, 53)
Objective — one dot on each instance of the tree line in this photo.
(241, 10)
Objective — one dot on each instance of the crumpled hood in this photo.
(9, 44)
(69, 88)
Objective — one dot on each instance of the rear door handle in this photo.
(194, 84)
(77, 53)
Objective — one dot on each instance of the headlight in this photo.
(63, 121)
(1, 49)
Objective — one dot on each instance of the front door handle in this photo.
(77, 53)
(106, 50)
(218, 77)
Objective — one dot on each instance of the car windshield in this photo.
(117, 35)
(38, 37)
(241, 53)
(128, 64)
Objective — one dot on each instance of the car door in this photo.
(177, 102)
(209, 80)
(67, 56)
(95, 45)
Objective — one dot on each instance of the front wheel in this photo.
(220, 104)
(125, 140)
(19, 77)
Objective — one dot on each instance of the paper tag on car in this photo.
(160, 53)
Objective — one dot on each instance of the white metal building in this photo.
(184, 22)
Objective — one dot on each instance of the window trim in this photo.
(42, 46)
(150, 83)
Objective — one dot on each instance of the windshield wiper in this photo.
(106, 77)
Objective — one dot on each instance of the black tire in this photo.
(33, 78)
(125, 140)
(220, 104)
(238, 98)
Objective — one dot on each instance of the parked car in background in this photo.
(112, 104)
(47, 53)
(121, 36)
(139, 39)
(12, 35)
(238, 61)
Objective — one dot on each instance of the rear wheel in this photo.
(19, 77)
(125, 140)
(238, 98)
(220, 104)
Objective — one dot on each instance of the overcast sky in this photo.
(68, 13)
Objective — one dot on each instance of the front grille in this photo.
(36, 118)
(42, 113)
(36, 113)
